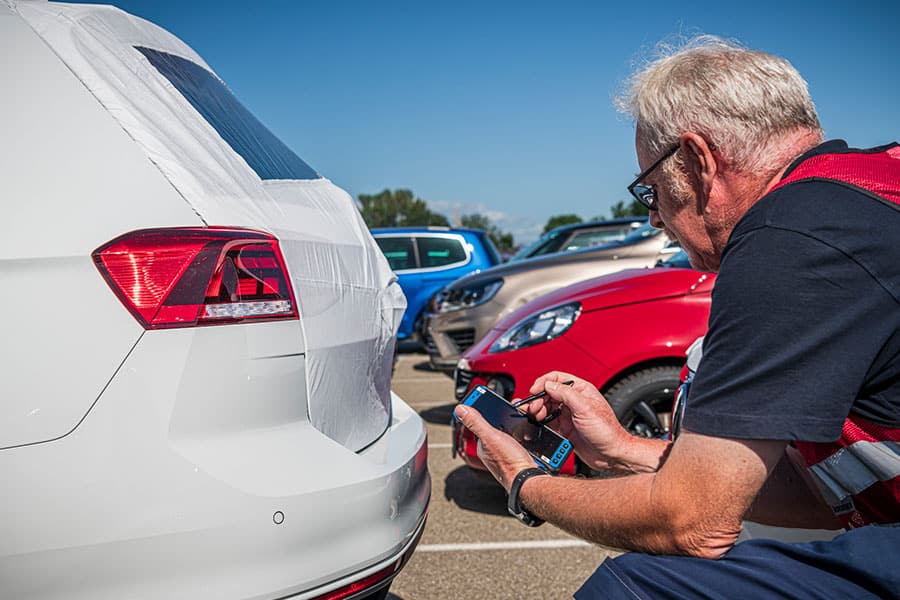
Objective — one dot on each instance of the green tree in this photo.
(397, 208)
(503, 240)
(560, 220)
(634, 209)
(476, 221)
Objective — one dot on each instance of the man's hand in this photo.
(586, 420)
(501, 454)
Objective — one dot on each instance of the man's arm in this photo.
(693, 505)
(789, 498)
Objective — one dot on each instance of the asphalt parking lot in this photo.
(471, 546)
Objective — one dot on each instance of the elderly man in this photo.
(794, 415)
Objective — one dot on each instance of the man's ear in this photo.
(700, 164)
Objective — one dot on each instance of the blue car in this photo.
(426, 259)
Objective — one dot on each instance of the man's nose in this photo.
(655, 220)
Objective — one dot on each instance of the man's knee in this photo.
(648, 576)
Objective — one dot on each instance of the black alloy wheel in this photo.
(643, 400)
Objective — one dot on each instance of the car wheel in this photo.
(643, 400)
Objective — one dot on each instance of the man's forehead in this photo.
(640, 138)
(643, 157)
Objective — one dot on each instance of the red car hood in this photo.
(625, 287)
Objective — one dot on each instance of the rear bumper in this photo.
(146, 499)
(372, 579)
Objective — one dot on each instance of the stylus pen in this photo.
(525, 401)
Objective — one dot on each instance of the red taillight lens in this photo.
(197, 276)
(358, 586)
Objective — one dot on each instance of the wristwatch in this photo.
(512, 504)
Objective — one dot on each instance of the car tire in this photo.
(643, 400)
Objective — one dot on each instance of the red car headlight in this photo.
(539, 328)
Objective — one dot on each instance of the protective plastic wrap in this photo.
(233, 171)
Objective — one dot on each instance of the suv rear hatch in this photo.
(234, 172)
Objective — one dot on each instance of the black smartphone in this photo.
(548, 448)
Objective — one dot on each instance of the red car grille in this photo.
(461, 384)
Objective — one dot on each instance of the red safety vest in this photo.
(859, 474)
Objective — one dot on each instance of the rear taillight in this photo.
(365, 584)
(182, 277)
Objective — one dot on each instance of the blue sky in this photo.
(506, 108)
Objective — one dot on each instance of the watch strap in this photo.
(512, 504)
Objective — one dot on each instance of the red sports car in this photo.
(626, 332)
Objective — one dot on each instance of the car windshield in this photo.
(545, 244)
(593, 234)
(597, 237)
(641, 233)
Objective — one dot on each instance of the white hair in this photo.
(750, 104)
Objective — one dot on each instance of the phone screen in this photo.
(543, 443)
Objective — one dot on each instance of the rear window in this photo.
(398, 251)
(265, 153)
(440, 251)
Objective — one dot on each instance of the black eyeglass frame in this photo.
(646, 195)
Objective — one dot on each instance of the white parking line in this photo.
(527, 545)
(430, 446)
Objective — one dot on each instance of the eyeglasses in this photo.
(644, 193)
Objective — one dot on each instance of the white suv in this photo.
(197, 337)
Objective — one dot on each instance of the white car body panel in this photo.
(46, 386)
(67, 164)
(72, 180)
(190, 511)
(153, 464)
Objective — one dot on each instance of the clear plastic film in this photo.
(233, 171)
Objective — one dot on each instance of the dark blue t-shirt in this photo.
(805, 319)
